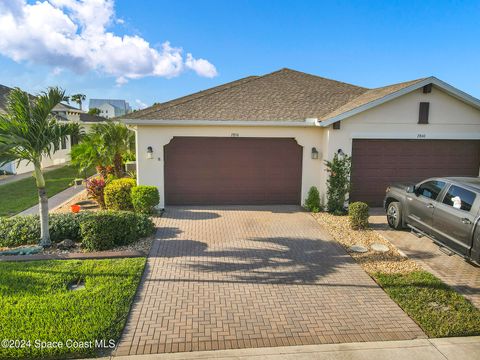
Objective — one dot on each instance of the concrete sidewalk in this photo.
(57, 199)
(461, 348)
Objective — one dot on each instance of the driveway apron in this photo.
(254, 276)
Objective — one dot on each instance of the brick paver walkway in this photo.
(453, 270)
(237, 277)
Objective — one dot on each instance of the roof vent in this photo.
(427, 89)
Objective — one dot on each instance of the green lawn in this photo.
(37, 308)
(437, 308)
(20, 195)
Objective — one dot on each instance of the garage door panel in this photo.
(202, 171)
(378, 163)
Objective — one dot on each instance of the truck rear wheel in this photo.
(394, 215)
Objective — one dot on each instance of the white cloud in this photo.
(201, 66)
(140, 104)
(73, 34)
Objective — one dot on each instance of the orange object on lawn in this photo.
(75, 208)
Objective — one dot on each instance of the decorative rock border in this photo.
(77, 256)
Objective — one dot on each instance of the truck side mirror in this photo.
(410, 189)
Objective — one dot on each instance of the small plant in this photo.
(96, 190)
(118, 194)
(145, 198)
(312, 202)
(358, 215)
(338, 183)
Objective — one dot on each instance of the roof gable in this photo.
(379, 96)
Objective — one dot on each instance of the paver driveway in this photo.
(235, 277)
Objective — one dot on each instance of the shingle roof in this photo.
(282, 95)
(369, 96)
(85, 117)
(4, 90)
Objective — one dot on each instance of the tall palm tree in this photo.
(28, 132)
(78, 98)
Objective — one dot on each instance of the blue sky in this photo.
(368, 43)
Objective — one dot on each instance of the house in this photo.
(63, 112)
(110, 108)
(264, 139)
(70, 113)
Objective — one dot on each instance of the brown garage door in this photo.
(211, 171)
(377, 163)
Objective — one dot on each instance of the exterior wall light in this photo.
(340, 152)
(149, 152)
(314, 153)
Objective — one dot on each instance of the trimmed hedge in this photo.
(145, 198)
(108, 229)
(124, 227)
(118, 194)
(25, 230)
(358, 215)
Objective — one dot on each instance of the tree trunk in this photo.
(117, 164)
(43, 208)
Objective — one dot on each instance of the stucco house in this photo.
(264, 139)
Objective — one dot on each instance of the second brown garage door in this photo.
(239, 171)
(378, 163)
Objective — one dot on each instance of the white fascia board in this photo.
(154, 122)
(430, 80)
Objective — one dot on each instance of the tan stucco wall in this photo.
(449, 118)
(150, 171)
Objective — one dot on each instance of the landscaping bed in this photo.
(85, 231)
(39, 303)
(437, 308)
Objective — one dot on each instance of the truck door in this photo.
(422, 203)
(454, 218)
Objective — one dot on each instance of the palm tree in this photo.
(28, 132)
(104, 146)
(91, 152)
(118, 139)
(78, 98)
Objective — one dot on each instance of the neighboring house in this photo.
(264, 139)
(110, 108)
(64, 112)
(70, 113)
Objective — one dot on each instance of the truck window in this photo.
(430, 189)
(459, 198)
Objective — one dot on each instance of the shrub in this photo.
(66, 226)
(96, 190)
(25, 230)
(338, 183)
(118, 194)
(312, 202)
(145, 198)
(358, 215)
(106, 229)
(19, 230)
(145, 226)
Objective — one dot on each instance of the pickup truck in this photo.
(447, 210)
